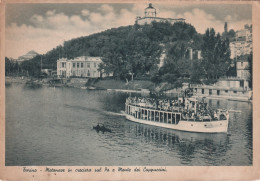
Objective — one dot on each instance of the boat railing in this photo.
(158, 107)
(142, 113)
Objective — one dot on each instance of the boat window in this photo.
(178, 117)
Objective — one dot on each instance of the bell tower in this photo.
(150, 11)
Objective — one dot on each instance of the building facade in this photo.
(232, 88)
(242, 45)
(243, 69)
(83, 66)
(150, 15)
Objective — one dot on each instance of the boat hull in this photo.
(220, 126)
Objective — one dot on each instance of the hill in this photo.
(132, 49)
(27, 56)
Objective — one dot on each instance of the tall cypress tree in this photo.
(216, 55)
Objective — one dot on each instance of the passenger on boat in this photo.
(215, 115)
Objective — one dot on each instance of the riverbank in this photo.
(85, 83)
(118, 84)
(21, 80)
(135, 86)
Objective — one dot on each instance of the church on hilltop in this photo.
(150, 15)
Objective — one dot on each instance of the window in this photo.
(63, 64)
(210, 91)
(218, 92)
(88, 65)
(241, 83)
(226, 91)
(74, 65)
(235, 92)
(202, 91)
(88, 73)
(77, 65)
(81, 65)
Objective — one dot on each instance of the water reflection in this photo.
(32, 86)
(186, 144)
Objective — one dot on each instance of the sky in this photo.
(42, 27)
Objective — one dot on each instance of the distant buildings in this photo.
(229, 87)
(191, 55)
(242, 45)
(150, 16)
(194, 54)
(83, 66)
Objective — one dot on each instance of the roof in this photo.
(87, 58)
(82, 58)
(242, 60)
(160, 18)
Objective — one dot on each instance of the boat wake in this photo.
(113, 113)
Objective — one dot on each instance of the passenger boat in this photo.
(185, 114)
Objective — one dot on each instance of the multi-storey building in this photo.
(83, 66)
(150, 16)
(243, 71)
(242, 45)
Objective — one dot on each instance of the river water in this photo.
(54, 126)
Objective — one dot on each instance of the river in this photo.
(54, 126)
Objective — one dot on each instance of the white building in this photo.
(79, 67)
(150, 16)
(243, 43)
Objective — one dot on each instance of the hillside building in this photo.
(243, 69)
(150, 15)
(194, 54)
(242, 45)
(83, 66)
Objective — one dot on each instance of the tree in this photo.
(134, 55)
(216, 55)
(225, 28)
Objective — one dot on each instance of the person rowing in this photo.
(101, 128)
